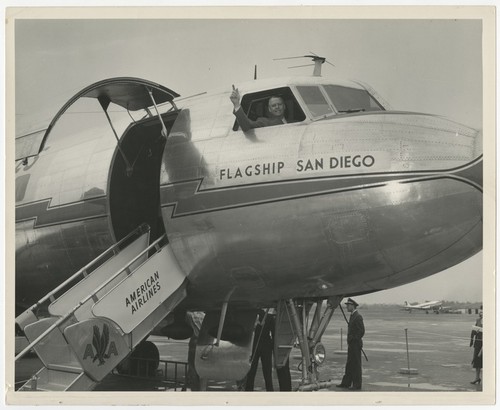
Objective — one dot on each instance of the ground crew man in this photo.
(355, 333)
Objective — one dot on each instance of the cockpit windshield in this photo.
(347, 99)
(315, 100)
(327, 100)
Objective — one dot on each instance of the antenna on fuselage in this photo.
(255, 72)
(318, 62)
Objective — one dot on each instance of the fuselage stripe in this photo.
(45, 215)
(197, 201)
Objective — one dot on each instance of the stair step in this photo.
(26, 318)
(68, 368)
(51, 387)
(21, 344)
(56, 377)
(52, 380)
(53, 348)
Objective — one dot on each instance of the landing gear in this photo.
(309, 337)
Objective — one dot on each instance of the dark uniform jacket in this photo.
(355, 329)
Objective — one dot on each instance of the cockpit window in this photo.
(315, 100)
(347, 99)
(255, 105)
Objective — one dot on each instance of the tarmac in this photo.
(438, 356)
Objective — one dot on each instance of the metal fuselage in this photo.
(339, 204)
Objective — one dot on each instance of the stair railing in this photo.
(103, 257)
(92, 295)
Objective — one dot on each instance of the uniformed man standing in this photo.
(355, 333)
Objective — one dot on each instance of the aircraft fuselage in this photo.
(339, 204)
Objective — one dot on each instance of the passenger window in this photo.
(315, 101)
(21, 185)
(28, 145)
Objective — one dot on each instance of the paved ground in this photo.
(438, 350)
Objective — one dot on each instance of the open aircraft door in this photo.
(135, 286)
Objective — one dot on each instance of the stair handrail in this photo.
(92, 295)
(140, 230)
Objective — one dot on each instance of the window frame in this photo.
(323, 86)
(35, 139)
(335, 111)
(325, 96)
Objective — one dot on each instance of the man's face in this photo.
(276, 107)
(350, 307)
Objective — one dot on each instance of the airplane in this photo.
(135, 206)
(434, 306)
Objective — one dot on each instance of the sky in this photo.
(427, 65)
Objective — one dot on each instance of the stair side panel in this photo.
(99, 345)
(147, 288)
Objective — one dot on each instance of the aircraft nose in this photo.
(473, 174)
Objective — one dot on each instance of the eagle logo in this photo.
(100, 343)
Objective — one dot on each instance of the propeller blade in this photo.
(289, 58)
(306, 65)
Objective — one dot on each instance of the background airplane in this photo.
(434, 306)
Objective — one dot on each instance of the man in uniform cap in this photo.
(355, 333)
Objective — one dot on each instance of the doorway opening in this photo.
(134, 197)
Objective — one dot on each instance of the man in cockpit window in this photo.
(275, 106)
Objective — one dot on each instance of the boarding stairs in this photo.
(101, 313)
